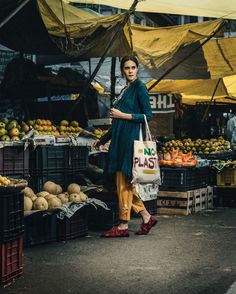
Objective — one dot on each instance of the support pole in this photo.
(14, 12)
(112, 40)
(212, 97)
(113, 77)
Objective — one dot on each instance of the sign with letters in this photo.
(162, 103)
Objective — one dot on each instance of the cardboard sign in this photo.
(162, 103)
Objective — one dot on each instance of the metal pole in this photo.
(13, 13)
(213, 95)
(118, 28)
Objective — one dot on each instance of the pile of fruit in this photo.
(4, 181)
(12, 130)
(52, 196)
(177, 158)
(99, 133)
(199, 146)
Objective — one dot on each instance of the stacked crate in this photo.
(58, 164)
(11, 236)
(184, 191)
(14, 161)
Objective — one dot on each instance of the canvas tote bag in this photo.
(145, 160)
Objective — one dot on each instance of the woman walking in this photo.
(127, 113)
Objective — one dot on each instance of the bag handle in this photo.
(148, 136)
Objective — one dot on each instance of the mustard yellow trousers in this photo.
(127, 198)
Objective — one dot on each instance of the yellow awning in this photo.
(193, 91)
(210, 8)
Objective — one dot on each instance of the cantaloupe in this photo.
(28, 191)
(75, 197)
(28, 204)
(42, 194)
(59, 190)
(49, 196)
(63, 198)
(73, 188)
(83, 196)
(50, 187)
(54, 202)
(33, 198)
(40, 204)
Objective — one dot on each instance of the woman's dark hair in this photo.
(127, 58)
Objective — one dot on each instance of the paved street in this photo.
(183, 254)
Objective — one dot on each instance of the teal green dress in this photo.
(123, 132)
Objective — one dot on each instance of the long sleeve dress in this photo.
(123, 132)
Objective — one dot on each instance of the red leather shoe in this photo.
(115, 232)
(145, 228)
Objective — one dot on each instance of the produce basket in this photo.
(15, 186)
(183, 178)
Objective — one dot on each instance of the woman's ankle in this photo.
(145, 216)
(124, 225)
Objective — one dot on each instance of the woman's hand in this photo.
(95, 143)
(115, 113)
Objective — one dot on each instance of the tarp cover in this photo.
(199, 90)
(87, 34)
(210, 8)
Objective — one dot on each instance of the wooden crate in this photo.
(203, 196)
(196, 194)
(180, 203)
(210, 195)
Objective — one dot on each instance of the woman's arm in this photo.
(145, 107)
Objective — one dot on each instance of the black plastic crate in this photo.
(102, 219)
(11, 216)
(40, 228)
(73, 227)
(77, 158)
(11, 261)
(36, 182)
(225, 197)
(99, 159)
(183, 178)
(14, 160)
(48, 158)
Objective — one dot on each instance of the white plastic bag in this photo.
(145, 161)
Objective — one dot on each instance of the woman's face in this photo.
(130, 70)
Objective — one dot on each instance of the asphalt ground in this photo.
(182, 254)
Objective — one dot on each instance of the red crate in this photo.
(11, 261)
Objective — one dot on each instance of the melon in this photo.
(63, 198)
(59, 189)
(75, 197)
(42, 194)
(28, 204)
(40, 204)
(28, 191)
(83, 196)
(33, 198)
(73, 188)
(50, 196)
(54, 202)
(50, 187)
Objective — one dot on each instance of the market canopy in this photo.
(193, 91)
(210, 8)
